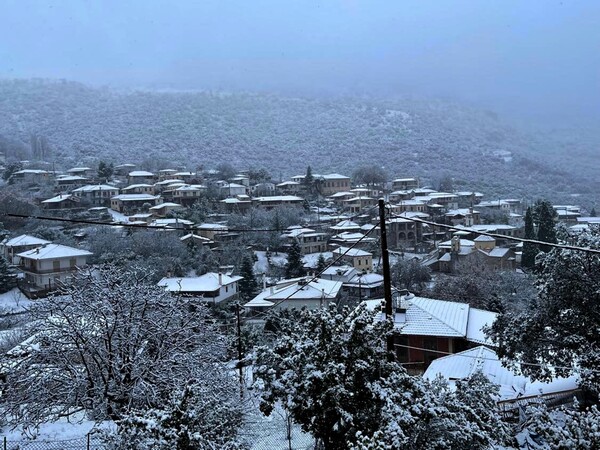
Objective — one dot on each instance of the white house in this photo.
(213, 287)
(11, 247)
(296, 293)
(47, 267)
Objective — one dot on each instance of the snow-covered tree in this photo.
(248, 284)
(322, 370)
(563, 429)
(410, 273)
(110, 344)
(544, 216)
(294, 266)
(560, 327)
(530, 250)
(431, 415)
(7, 278)
(197, 415)
(329, 370)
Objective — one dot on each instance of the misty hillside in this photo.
(407, 136)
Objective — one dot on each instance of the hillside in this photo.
(408, 136)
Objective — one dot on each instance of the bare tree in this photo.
(109, 344)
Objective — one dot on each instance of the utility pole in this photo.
(239, 349)
(387, 282)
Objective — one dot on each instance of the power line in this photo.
(333, 263)
(499, 236)
(544, 366)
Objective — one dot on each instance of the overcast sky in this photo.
(539, 57)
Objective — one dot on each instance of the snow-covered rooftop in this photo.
(208, 282)
(53, 251)
(24, 240)
(463, 365)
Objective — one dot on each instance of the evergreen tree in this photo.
(530, 250)
(294, 267)
(546, 226)
(105, 171)
(7, 278)
(593, 212)
(248, 284)
(321, 264)
(308, 178)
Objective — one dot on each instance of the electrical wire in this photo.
(482, 358)
(499, 236)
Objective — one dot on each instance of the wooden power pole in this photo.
(387, 282)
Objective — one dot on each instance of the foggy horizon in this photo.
(537, 60)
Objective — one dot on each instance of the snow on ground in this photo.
(262, 266)
(117, 216)
(13, 301)
(311, 259)
(63, 434)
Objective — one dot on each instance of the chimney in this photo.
(220, 279)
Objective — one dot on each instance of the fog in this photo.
(534, 59)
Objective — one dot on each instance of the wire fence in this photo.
(87, 442)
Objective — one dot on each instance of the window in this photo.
(55, 265)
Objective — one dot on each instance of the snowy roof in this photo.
(334, 176)
(288, 183)
(185, 174)
(136, 186)
(166, 222)
(499, 252)
(258, 303)
(212, 226)
(366, 280)
(160, 183)
(339, 270)
(461, 212)
(59, 198)
(24, 240)
(196, 187)
(315, 289)
(167, 205)
(135, 197)
(79, 169)
(431, 317)
(36, 171)
(234, 200)
(484, 238)
(140, 173)
(463, 365)
(350, 252)
(400, 180)
(167, 171)
(96, 187)
(70, 178)
(463, 243)
(279, 198)
(53, 251)
(195, 236)
(346, 225)
(491, 227)
(209, 282)
(342, 194)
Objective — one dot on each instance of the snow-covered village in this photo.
(283, 225)
(220, 308)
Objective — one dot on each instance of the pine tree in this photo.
(593, 212)
(321, 264)
(308, 178)
(105, 171)
(294, 267)
(530, 250)
(248, 285)
(7, 279)
(546, 226)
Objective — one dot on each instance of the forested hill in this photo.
(407, 136)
